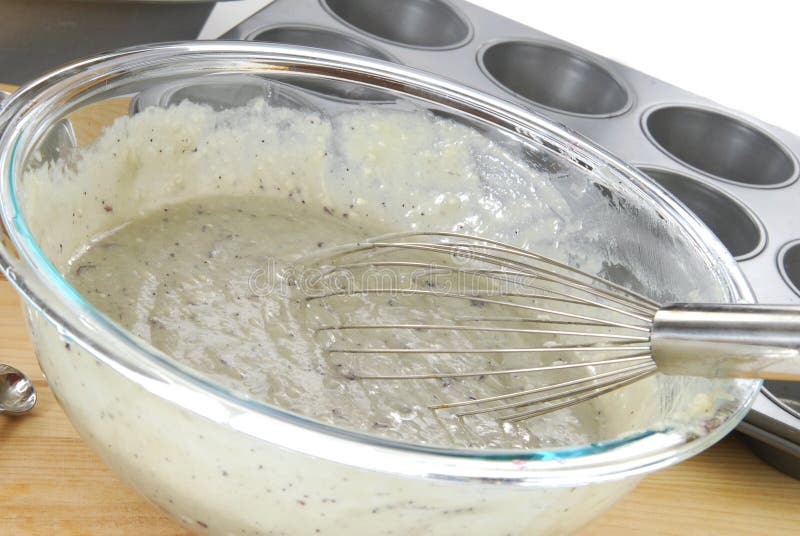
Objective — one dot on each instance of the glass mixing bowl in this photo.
(223, 463)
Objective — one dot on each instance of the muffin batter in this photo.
(205, 281)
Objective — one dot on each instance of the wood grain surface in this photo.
(51, 483)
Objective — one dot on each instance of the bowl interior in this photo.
(547, 191)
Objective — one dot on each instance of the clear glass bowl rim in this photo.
(43, 101)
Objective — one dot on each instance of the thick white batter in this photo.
(183, 279)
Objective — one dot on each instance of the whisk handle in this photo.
(728, 341)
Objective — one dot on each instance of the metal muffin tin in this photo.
(737, 173)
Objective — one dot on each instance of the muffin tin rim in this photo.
(568, 48)
(730, 114)
(450, 5)
(706, 183)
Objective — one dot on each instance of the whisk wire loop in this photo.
(575, 313)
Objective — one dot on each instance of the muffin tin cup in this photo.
(423, 24)
(319, 37)
(555, 78)
(720, 146)
(734, 223)
(789, 264)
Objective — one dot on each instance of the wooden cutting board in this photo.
(51, 483)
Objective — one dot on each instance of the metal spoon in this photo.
(17, 394)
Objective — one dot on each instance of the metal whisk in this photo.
(609, 335)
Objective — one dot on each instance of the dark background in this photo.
(39, 35)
